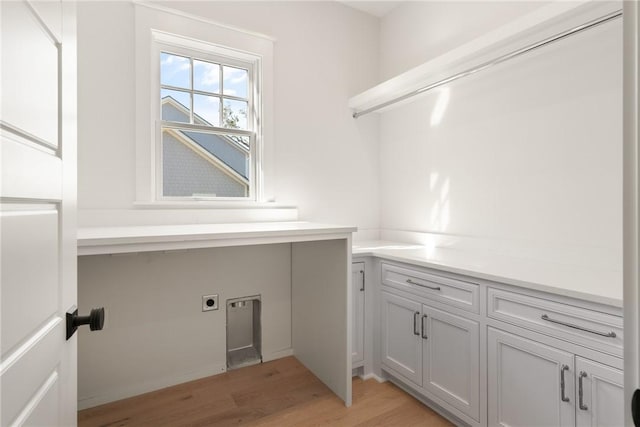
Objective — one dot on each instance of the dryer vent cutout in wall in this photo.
(244, 336)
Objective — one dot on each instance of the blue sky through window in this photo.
(206, 76)
(208, 108)
(235, 81)
(176, 71)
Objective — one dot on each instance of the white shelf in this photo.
(542, 23)
(113, 240)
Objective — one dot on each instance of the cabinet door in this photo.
(529, 383)
(602, 402)
(451, 359)
(401, 342)
(357, 334)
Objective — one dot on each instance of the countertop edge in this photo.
(556, 290)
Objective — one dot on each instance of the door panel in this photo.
(46, 403)
(20, 158)
(357, 335)
(401, 346)
(30, 73)
(603, 395)
(524, 383)
(452, 360)
(27, 369)
(29, 239)
(37, 213)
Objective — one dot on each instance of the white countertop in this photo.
(590, 284)
(110, 240)
(586, 283)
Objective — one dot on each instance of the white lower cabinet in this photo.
(357, 334)
(401, 342)
(536, 374)
(451, 359)
(600, 395)
(533, 384)
(529, 384)
(437, 351)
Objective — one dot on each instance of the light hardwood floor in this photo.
(279, 393)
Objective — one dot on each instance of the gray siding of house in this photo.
(185, 173)
(170, 113)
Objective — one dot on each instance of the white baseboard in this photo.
(119, 393)
(375, 377)
(277, 355)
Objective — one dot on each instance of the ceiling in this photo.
(375, 8)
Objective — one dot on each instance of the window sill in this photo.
(210, 204)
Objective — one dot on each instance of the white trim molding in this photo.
(200, 35)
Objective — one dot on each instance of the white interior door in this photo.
(631, 225)
(37, 213)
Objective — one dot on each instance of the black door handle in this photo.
(635, 407)
(95, 320)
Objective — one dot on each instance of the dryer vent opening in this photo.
(244, 336)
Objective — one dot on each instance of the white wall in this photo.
(325, 162)
(524, 158)
(416, 31)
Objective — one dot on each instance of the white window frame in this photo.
(157, 24)
(196, 49)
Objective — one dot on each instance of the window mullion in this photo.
(175, 88)
(220, 99)
(191, 92)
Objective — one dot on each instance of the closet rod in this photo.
(493, 62)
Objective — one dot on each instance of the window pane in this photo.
(176, 105)
(206, 76)
(175, 70)
(234, 114)
(235, 81)
(206, 110)
(203, 164)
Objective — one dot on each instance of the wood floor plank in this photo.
(280, 393)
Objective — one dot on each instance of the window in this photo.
(207, 135)
(188, 154)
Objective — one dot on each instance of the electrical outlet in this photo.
(209, 302)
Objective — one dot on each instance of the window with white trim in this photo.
(208, 115)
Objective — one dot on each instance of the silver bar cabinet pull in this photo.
(602, 334)
(435, 288)
(362, 272)
(415, 323)
(584, 407)
(562, 396)
(423, 327)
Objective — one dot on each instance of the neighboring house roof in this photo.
(226, 149)
(214, 160)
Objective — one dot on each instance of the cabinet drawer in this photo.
(450, 291)
(581, 326)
